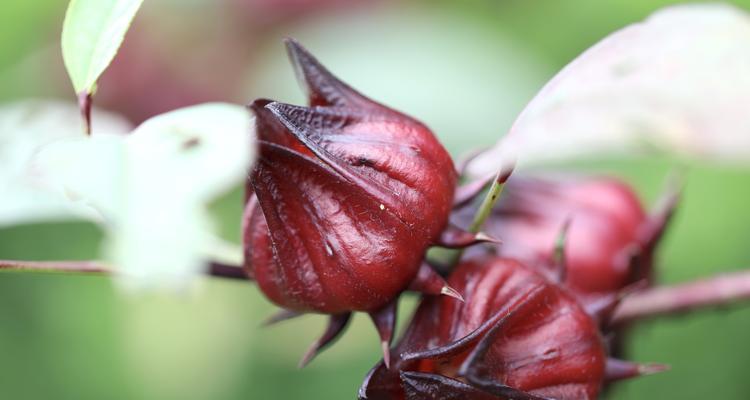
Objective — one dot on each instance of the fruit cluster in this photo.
(347, 196)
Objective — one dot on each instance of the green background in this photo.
(76, 337)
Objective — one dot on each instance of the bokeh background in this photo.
(466, 68)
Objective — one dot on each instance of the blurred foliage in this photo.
(74, 337)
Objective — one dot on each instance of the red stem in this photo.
(214, 269)
(680, 298)
(84, 103)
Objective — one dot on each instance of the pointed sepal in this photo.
(653, 230)
(323, 88)
(336, 325)
(494, 323)
(430, 282)
(280, 316)
(454, 237)
(617, 369)
(385, 323)
(309, 125)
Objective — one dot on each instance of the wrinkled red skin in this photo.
(342, 188)
(539, 342)
(606, 230)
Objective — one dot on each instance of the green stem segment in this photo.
(54, 266)
(96, 267)
(489, 201)
(484, 211)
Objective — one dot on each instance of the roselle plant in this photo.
(343, 201)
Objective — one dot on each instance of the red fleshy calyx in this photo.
(345, 198)
(605, 238)
(516, 336)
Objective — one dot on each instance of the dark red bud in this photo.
(609, 238)
(346, 197)
(517, 335)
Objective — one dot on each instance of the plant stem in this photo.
(54, 266)
(215, 269)
(489, 200)
(221, 270)
(684, 297)
(483, 212)
(84, 104)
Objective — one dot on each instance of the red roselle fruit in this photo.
(609, 239)
(347, 196)
(516, 336)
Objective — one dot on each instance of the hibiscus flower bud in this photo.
(346, 196)
(516, 336)
(609, 239)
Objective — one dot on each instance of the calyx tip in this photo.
(449, 291)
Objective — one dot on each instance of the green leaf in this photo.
(92, 32)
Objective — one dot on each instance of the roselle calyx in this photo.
(346, 196)
(609, 238)
(518, 335)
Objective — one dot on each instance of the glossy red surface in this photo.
(606, 220)
(517, 330)
(350, 195)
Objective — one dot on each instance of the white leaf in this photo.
(25, 128)
(151, 188)
(677, 82)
